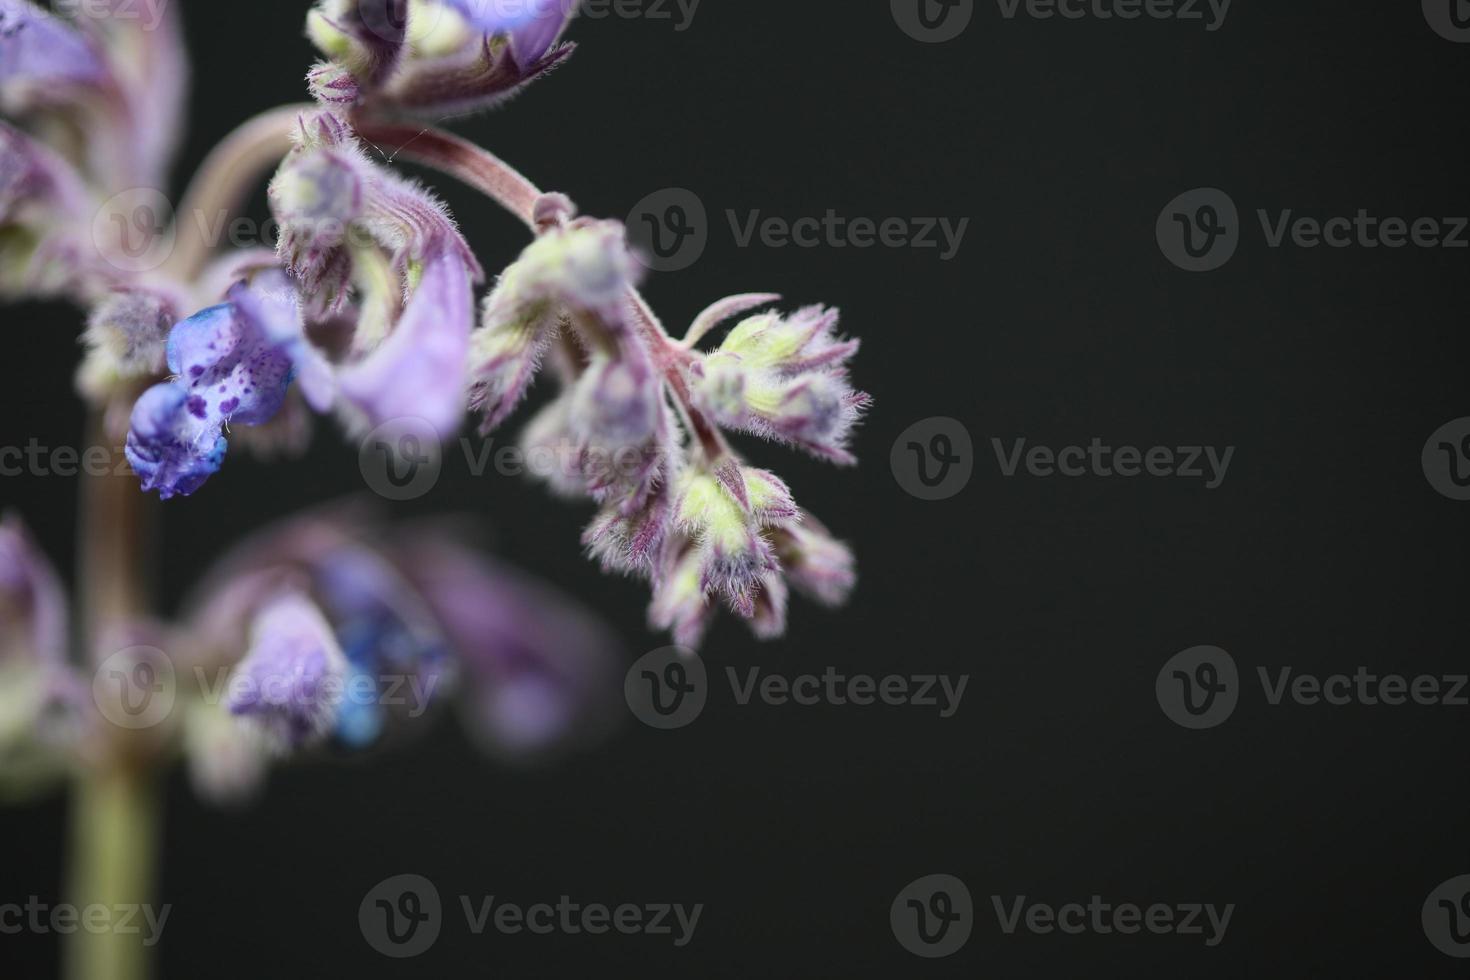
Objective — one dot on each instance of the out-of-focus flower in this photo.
(42, 57)
(41, 697)
(118, 79)
(291, 681)
(537, 666)
(433, 57)
(328, 630)
(377, 630)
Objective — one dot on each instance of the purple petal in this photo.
(31, 598)
(420, 370)
(531, 25)
(292, 680)
(40, 51)
(234, 364)
(541, 668)
(172, 450)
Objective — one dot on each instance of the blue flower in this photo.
(232, 364)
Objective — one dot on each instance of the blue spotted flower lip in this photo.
(233, 364)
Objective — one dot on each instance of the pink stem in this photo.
(487, 173)
(222, 182)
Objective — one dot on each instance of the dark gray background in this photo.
(1060, 320)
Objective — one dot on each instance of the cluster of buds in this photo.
(366, 309)
(641, 417)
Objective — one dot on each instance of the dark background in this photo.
(1060, 778)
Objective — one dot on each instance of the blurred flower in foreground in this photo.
(327, 633)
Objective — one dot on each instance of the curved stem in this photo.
(459, 158)
(487, 173)
(224, 181)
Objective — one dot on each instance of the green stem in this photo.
(115, 810)
(114, 846)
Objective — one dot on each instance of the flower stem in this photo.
(114, 843)
(114, 818)
(487, 173)
(223, 182)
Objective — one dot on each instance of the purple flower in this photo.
(402, 57)
(293, 678)
(39, 53)
(419, 371)
(540, 670)
(33, 616)
(233, 364)
(531, 26)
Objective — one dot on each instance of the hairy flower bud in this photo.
(125, 339)
(784, 379)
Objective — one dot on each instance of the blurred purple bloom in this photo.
(293, 678)
(41, 52)
(33, 615)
